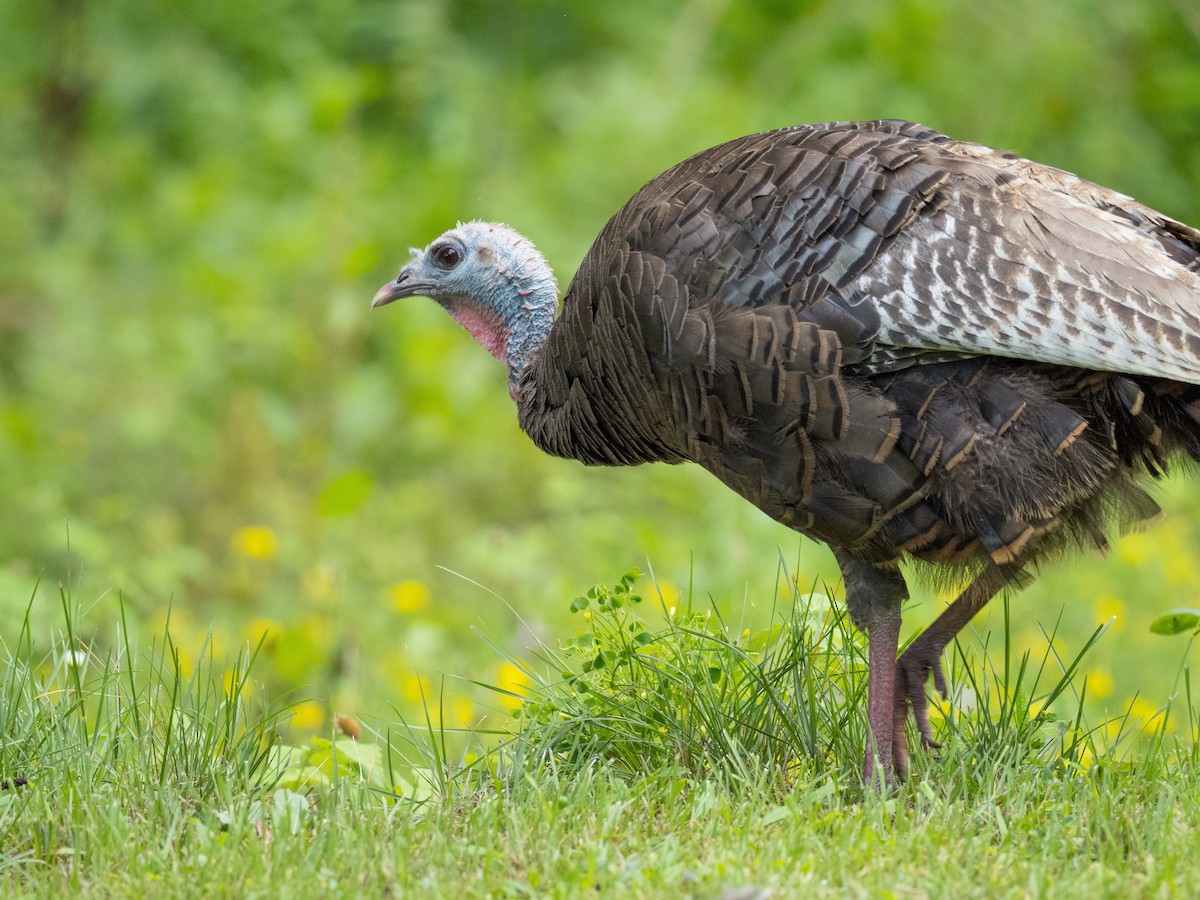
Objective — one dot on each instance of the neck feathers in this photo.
(523, 293)
(536, 300)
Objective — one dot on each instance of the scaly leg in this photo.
(883, 637)
(924, 655)
(874, 596)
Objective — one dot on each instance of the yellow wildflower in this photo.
(670, 593)
(1134, 549)
(307, 715)
(462, 712)
(512, 678)
(1151, 715)
(1107, 607)
(415, 688)
(1099, 683)
(254, 630)
(409, 596)
(255, 542)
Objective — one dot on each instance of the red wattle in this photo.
(485, 326)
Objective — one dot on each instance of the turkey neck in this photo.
(529, 330)
(524, 296)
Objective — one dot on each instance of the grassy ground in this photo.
(689, 757)
(1133, 835)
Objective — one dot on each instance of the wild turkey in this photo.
(897, 343)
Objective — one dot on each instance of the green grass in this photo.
(655, 750)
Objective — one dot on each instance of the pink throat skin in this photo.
(485, 327)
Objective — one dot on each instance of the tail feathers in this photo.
(1003, 539)
(1000, 406)
(1133, 399)
(1189, 404)
(1160, 419)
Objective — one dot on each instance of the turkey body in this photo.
(893, 342)
(902, 345)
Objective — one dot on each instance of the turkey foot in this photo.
(912, 671)
(924, 657)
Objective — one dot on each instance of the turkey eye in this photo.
(447, 257)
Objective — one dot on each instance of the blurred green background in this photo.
(197, 201)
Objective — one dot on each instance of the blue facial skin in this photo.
(493, 282)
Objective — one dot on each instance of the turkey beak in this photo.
(394, 290)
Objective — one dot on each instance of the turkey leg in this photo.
(885, 741)
(874, 596)
(924, 657)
